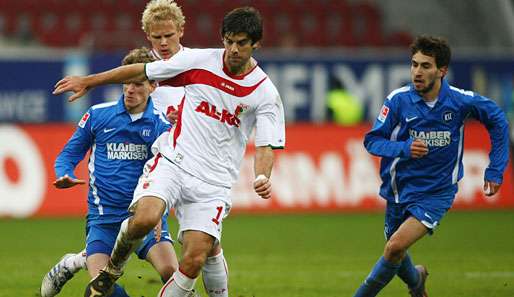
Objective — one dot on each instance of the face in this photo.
(136, 95)
(165, 38)
(238, 51)
(424, 73)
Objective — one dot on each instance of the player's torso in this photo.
(166, 98)
(439, 127)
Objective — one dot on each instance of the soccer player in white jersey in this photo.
(226, 96)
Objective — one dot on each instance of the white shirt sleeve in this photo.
(166, 69)
(270, 124)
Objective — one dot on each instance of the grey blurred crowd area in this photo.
(346, 30)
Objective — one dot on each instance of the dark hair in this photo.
(138, 55)
(436, 47)
(243, 20)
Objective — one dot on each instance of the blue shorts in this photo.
(100, 238)
(429, 210)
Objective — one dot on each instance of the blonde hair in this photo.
(138, 55)
(162, 10)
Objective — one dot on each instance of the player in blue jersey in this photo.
(419, 135)
(119, 135)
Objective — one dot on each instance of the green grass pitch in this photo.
(471, 255)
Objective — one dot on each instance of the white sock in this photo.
(76, 262)
(215, 276)
(123, 248)
(179, 285)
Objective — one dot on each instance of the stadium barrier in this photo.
(325, 168)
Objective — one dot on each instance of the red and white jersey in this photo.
(166, 98)
(218, 113)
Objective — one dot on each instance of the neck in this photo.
(243, 69)
(136, 109)
(433, 93)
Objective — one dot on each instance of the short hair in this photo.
(138, 55)
(436, 47)
(243, 20)
(162, 10)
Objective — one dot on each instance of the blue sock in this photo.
(119, 291)
(408, 272)
(382, 273)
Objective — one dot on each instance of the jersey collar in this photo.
(443, 92)
(148, 113)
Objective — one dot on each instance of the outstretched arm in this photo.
(80, 85)
(262, 167)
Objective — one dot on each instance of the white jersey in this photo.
(165, 98)
(218, 113)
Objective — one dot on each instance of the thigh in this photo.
(95, 263)
(159, 179)
(163, 258)
(149, 241)
(206, 217)
(395, 215)
(100, 238)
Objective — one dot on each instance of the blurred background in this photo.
(333, 62)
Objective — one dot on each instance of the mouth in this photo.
(165, 53)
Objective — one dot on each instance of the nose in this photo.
(164, 41)
(234, 48)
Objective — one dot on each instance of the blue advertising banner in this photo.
(303, 82)
(26, 91)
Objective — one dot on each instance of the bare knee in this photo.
(148, 213)
(394, 251)
(192, 262)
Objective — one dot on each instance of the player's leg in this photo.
(428, 212)
(215, 273)
(147, 214)
(99, 245)
(61, 273)
(199, 232)
(148, 207)
(160, 254)
(410, 231)
(195, 249)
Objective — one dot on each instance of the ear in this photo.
(256, 45)
(444, 71)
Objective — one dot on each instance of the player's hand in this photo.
(491, 188)
(418, 149)
(157, 231)
(172, 116)
(262, 186)
(67, 182)
(75, 84)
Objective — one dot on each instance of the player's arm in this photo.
(72, 153)
(269, 135)
(262, 167)
(493, 118)
(379, 142)
(80, 85)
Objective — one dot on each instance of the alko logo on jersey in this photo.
(224, 116)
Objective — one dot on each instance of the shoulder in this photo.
(398, 93)
(106, 106)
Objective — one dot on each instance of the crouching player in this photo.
(120, 135)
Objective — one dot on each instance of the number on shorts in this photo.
(216, 219)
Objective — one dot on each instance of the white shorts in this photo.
(198, 205)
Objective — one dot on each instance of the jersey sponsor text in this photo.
(126, 151)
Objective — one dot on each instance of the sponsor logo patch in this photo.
(382, 116)
(83, 120)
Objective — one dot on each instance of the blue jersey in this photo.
(119, 149)
(405, 117)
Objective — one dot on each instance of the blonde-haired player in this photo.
(163, 22)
